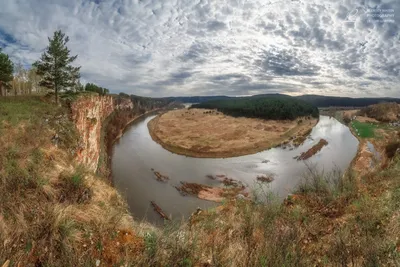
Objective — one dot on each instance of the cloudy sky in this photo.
(205, 47)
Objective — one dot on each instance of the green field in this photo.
(364, 130)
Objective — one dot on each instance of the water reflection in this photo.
(136, 154)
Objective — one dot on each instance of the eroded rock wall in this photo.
(89, 114)
(98, 117)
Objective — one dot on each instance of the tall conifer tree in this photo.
(55, 66)
(6, 72)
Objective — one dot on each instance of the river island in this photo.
(207, 133)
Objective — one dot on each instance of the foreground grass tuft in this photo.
(53, 213)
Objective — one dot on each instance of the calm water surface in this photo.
(136, 154)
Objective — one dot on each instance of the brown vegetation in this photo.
(266, 178)
(346, 118)
(54, 213)
(384, 112)
(392, 149)
(201, 133)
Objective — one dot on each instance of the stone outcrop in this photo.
(89, 113)
(123, 103)
(98, 117)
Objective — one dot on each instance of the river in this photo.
(136, 154)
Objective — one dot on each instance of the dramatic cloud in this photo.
(205, 47)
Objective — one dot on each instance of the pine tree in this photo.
(6, 72)
(55, 65)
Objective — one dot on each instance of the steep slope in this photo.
(54, 210)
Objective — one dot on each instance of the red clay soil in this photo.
(116, 247)
(314, 150)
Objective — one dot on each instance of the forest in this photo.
(273, 107)
(316, 100)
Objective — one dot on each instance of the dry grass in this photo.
(334, 220)
(206, 133)
(384, 112)
(53, 213)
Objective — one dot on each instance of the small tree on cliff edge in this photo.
(6, 72)
(55, 66)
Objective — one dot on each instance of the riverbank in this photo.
(210, 134)
(53, 209)
(114, 127)
(370, 133)
(55, 212)
(130, 122)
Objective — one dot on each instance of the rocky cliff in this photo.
(88, 114)
(98, 117)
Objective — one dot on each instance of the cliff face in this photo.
(89, 113)
(94, 115)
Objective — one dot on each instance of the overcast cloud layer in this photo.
(230, 47)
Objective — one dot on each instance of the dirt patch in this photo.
(125, 241)
(210, 134)
(362, 162)
(314, 150)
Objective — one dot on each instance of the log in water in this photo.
(136, 154)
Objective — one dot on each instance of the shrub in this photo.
(328, 186)
(346, 118)
(73, 187)
(391, 149)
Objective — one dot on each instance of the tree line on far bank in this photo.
(276, 107)
(53, 72)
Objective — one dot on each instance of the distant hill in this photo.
(273, 107)
(197, 99)
(333, 101)
(316, 100)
